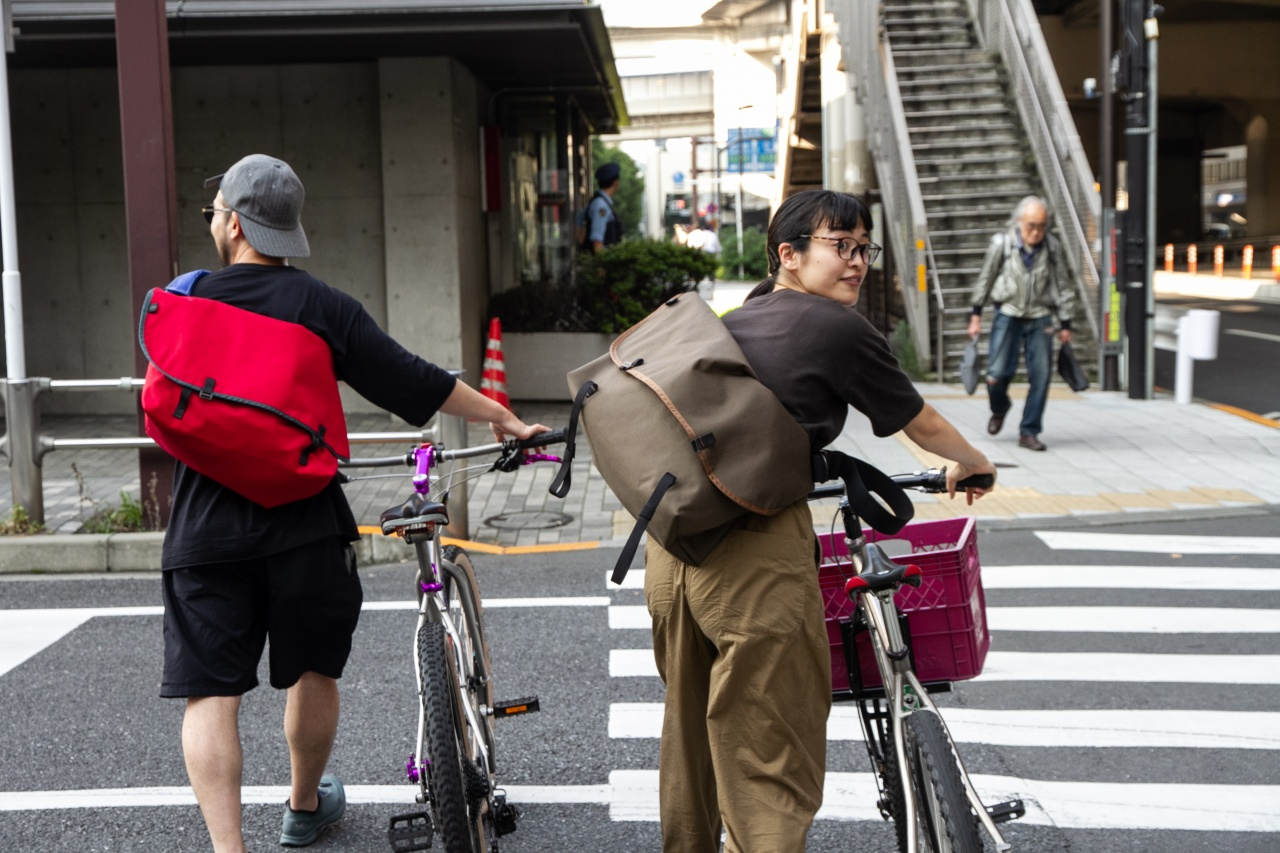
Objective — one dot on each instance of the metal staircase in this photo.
(973, 161)
(950, 88)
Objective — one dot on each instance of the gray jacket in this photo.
(1042, 291)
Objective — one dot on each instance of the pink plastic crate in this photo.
(946, 614)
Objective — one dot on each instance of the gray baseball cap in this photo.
(268, 196)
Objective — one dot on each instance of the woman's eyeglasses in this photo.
(209, 211)
(847, 248)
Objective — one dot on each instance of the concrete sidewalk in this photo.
(1108, 456)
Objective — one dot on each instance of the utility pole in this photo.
(1112, 345)
(1138, 32)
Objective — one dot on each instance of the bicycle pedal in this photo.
(409, 832)
(1006, 811)
(515, 707)
(505, 815)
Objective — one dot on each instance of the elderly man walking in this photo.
(1026, 279)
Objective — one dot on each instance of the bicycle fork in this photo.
(886, 637)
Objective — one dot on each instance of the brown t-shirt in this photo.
(820, 357)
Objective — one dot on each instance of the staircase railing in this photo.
(1010, 28)
(877, 81)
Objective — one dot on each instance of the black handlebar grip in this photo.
(977, 481)
(555, 436)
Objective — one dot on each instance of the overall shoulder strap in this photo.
(183, 283)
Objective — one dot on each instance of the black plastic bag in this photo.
(1069, 369)
(969, 366)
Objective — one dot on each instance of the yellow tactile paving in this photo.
(1182, 497)
(1229, 495)
(1136, 500)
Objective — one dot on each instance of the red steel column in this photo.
(150, 198)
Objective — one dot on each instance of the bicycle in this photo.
(453, 761)
(938, 808)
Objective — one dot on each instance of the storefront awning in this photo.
(510, 45)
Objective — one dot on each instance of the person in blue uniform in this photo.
(603, 226)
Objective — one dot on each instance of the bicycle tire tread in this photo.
(927, 743)
(447, 785)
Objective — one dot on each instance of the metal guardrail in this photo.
(1011, 29)
(25, 445)
(877, 81)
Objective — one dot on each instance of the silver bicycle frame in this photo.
(433, 608)
(877, 608)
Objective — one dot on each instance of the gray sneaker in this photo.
(303, 828)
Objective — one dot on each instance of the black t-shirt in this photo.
(212, 524)
(820, 357)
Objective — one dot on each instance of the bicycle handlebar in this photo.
(932, 481)
(555, 436)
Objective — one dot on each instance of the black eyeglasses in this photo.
(209, 211)
(847, 248)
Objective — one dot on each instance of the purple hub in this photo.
(434, 586)
(412, 770)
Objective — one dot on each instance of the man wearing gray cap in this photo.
(236, 572)
(603, 226)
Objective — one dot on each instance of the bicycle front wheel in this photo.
(946, 823)
(444, 744)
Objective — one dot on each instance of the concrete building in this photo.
(444, 146)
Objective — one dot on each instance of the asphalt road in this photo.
(1244, 373)
(81, 715)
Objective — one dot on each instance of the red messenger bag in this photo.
(245, 399)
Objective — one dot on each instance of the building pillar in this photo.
(434, 227)
(1262, 170)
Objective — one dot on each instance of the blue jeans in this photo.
(1008, 335)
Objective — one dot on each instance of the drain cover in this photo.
(528, 520)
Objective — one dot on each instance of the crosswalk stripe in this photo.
(1072, 805)
(632, 795)
(1098, 577)
(24, 633)
(1134, 620)
(1071, 728)
(180, 795)
(1129, 577)
(1065, 666)
(1139, 620)
(1158, 543)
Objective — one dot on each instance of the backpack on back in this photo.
(245, 399)
(685, 434)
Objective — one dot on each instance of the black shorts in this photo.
(218, 617)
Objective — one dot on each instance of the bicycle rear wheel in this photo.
(444, 745)
(946, 823)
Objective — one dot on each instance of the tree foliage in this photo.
(614, 289)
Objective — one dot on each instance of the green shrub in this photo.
(755, 260)
(19, 523)
(614, 289)
(126, 518)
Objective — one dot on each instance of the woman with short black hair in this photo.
(740, 640)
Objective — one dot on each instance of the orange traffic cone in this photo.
(493, 379)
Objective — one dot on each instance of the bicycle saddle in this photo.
(882, 573)
(417, 511)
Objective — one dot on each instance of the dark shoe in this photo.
(1031, 442)
(994, 425)
(303, 828)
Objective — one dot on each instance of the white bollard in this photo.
(1197, 341)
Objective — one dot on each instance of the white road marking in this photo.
(632, 795)
(1137, 620)
(1133, 620)
(1129, 577)
(1075, 729)
(1247, 333)
(1158, 543)
(1102, 577)
(497, 603)
(1065, 666)
(1074, 805)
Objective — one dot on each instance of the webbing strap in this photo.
(861, 480)
(560, 485)
(623, 565)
